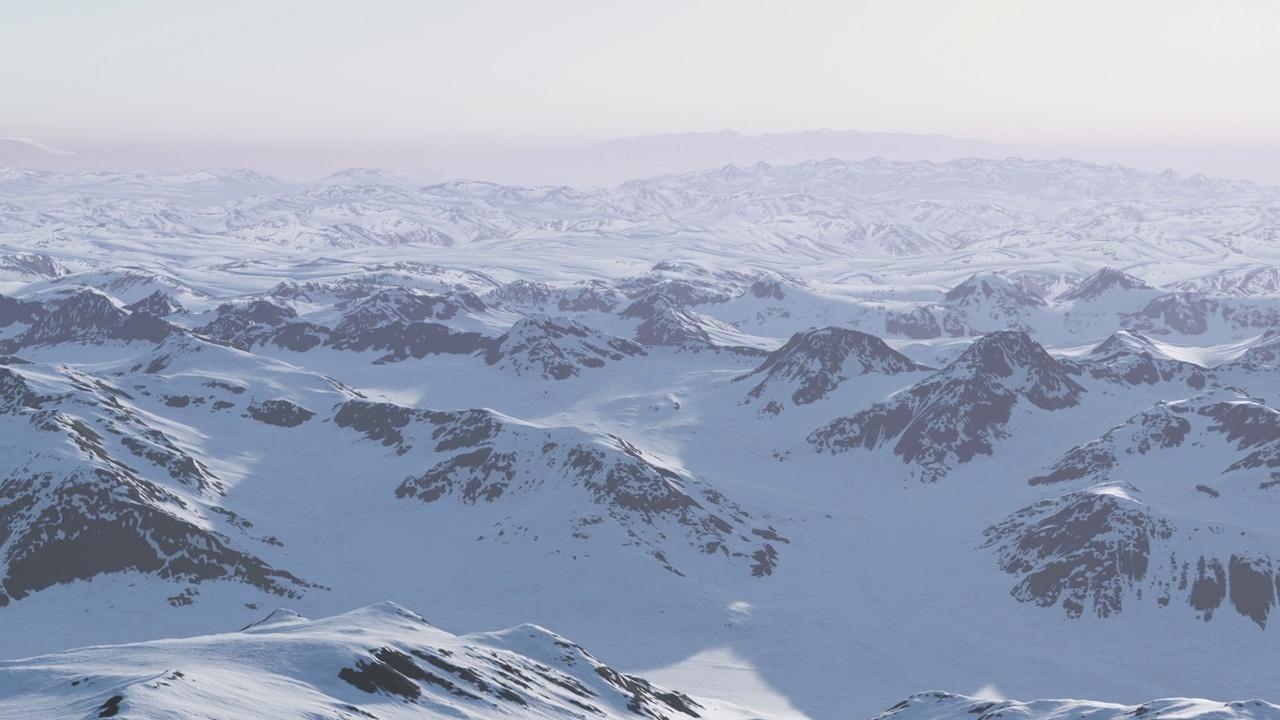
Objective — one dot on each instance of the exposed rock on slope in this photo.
(246, 325)
(664, 323)
(380, 661)
(481, 457)
(557, 348)
(989, 302)
(1093, 551)
(72, 508)
(403, 305)
(1101, 284)
(1238, 435)
(382, 324)
(813, 364)
(1134, 359)
(1263, 351)
(1086, 551)
(1176, 313)
(959, 412)
(945, 706)
(88, 317)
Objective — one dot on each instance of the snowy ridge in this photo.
(91, 488)
(959, 412)
(557, 348)
(1092, 550)
(946, 706)
(494, 460)
(380, 661)
(813, 364)
(686, 420)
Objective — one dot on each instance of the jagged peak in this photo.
(1127, 341)
(1219, 395)
(836, 345)
(1104, 281)
(1001, 353)
(986, 286)
(274, 620)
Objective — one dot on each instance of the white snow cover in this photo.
(806, 439)
(381, 661)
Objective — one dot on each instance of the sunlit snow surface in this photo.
(659, 420)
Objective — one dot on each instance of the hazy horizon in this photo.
(301, 88)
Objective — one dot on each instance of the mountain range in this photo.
(778, 442)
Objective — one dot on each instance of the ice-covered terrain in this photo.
(806, 440)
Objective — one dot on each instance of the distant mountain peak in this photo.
(1103, 282)
(959, 412)
(814, 363)
(557, 347)
(983, 288)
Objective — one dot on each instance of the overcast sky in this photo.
(1003, 70)
(1132, 75)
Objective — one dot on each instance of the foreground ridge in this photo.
(945, 706)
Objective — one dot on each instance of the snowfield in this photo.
(774, 442)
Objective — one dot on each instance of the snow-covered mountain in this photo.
(381, 661)
(962, 410)
(557, 347)
(815, 363)
(948, 706)
(686, 420)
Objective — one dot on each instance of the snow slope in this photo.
(685, 420)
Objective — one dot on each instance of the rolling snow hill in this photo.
(788, 438)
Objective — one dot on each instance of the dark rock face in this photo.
(89, 317)
(959, 412)
(377, 322)
(159, 304)
(417, 340)
(37, 265)
(245, 325)
(280, 413)
(56, 538)
(946, 706)
(663, 322)
(1158, 428)
(522, 294)
(1103, 282)
(1091, 551)
(500, 678)
(1264, 351)
(1182, 313)
(19, 311)
(67, 517)
(557, 348)
(489, 460)
(681, 291)
(991, 289)
(816, 362)
(589, 296)
(1129, 358)
(1252, 426)
(918, 324)
(403, 305)
(1085, 551)
(376, 421)
(988, 301)
(1246, 424)
(767, 289)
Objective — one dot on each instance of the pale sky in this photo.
(1009, 71)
